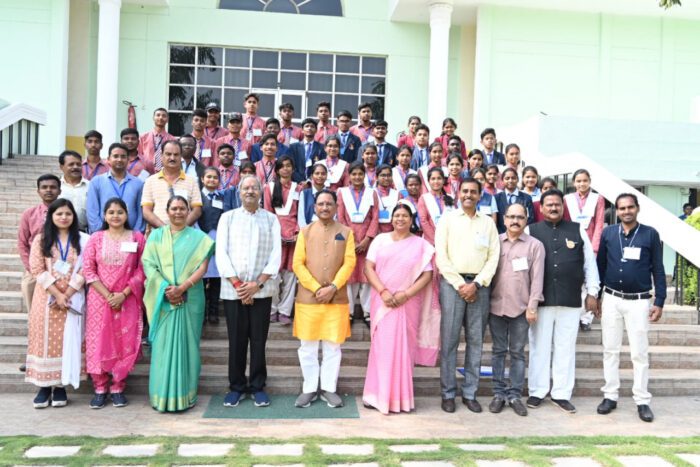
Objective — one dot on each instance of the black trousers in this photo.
(247, 324)
(212, 290)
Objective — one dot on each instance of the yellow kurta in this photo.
(329, 321)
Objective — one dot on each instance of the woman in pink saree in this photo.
(405, 328)
(114, 322)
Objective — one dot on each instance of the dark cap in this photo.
(235, 117)
(212, 106)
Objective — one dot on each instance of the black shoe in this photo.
(534, 402)
(607, 406)
(496, 405)
(59, 397)
(43, 398)
(645, 413)
(119, 399)
(565, 405)
(23, 368)
(366, 321)
(472, 404)
(448, 405)
(213, 318)
(584, 327)
(98, 401)
(518, 407)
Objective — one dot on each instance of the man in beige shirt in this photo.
(466, 254)
(515, 294)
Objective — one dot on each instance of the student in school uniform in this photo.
(413, 193)
(487, 203)
(358, 208)
(325, 127)
(530, 183)
(488, 142)
(289, 133)
(307, 197)
(281, 197)
(349, 143)
(369, 159)
(253, 124)
(475, 159)
(232, 198)
(400, 173)
(454, 146)
(151, 143)
(265, 167)
(204, 145)
(336, 168)
(271, 126)
(449, 126)
(433, 204)
(493, 180)
(421, 155)
(511, 195)
(406, 137)
(363, 129)
(212, 208)
(241, 146)
(229, 172)
(306, 152)
(513, 157)
(435, 154)
(213, 130)
(455, 165)
(137, 165)
(386, 152)
(388, 197)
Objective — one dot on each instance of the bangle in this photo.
(237, 283)
(191, 283)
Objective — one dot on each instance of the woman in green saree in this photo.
(175, 259)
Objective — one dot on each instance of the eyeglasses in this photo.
(515, 217)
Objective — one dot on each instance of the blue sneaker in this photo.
(98, 401)
(119, 399)
(233, 398)
(59, 398)
(261, 399)
(43, 398)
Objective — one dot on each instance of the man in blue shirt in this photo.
(116, 183)
(629, 257)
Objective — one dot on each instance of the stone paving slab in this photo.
(277, 449)
(693, 459)
(551, 447)
(503, 463)
(427, 464)
(131, 450)
(646, 461)
(574, 462)
(204, 450)
(347, 449)
(361, 464)
(412, 448)
(481, 447)
(277, 465)
(38, 452)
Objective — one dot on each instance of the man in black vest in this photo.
(569, 262)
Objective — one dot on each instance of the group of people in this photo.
(303, 225)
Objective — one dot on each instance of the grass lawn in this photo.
(602, 449)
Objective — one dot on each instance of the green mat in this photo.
(281, 407)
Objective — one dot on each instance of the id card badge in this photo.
(485, 210)
(631, 253)
(384, 215)
(293, 140)
(184, 193)
(257, 132)
(520, 264)
(242, 155)
(309, 163)
(206, 153)
(128, 247)
(61, 267)
(482, 240)
(237, 163)
(217, 204)
(357, 217)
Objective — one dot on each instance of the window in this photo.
(298, 7)
(201, 74)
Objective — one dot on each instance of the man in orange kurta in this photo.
(322, 302)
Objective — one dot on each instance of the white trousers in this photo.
(283, 299)
(632, 315)
(586, 316)
(328, 370)
(553, 344)
(363, 290)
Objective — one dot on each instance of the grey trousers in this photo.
(474, 317)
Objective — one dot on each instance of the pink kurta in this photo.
(202, 144)
(138, 165)
(595, 227)
(251, 123)
(332, 165)
(239, 145)
(426, 221)
(288, 133)
(362, 132)
(215, 133)
(289, 224)
(369, 228)
(91, 172)
(405, 138)
(228, 177)
(113, 337)
(452, 186)
(324, 132)
(147, 144)
(401, 336)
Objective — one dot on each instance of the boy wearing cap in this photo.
(213, 130)
(241, 147)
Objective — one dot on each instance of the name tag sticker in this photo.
(485, 210)
(257, 132)
(61, 267)
(184, 193)
(128, 247)
(206, 153)
(357, 217)
(242, 155)
(217, 204)
(293, 140)
(309, 163)
(237, 163)
(631, 252)
(482, 240)
(520, 264)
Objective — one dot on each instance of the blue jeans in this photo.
(509, 336)
(474, 317)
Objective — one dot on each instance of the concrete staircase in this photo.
(674, 352)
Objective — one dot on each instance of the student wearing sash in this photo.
(364, 127)
(406, 137)
(232, 198)
(289, 133)
(358, 208)
(530, 183)
(487, 203)
(272, 125)
(433, 204)
(448, 130)
(435, 152)
(265, 167)
(336, 168)
(386, 153)
(138, 165)
(475, 159)
(307, 197)
(349, 143)
(229, 172)
(93, 165)
(253, 125)
(388, 197)
(306, 152)
(510, 195)
(325, 127)
(421, 154)
(212, 208)
(240, 146)
(151, 143)
(455, 164)
(369, 158)
(281, 198)
(203, 144)
(400, 173)
(588, 209)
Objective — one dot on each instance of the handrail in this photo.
(675, 233)
(19, 129)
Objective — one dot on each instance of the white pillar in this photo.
(107, 70)
(440, 19)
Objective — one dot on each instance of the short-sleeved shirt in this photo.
(157, 191)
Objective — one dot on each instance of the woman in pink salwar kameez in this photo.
(405, 328)
(112, 267)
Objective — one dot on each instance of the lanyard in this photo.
(133, 163)
(404, 175)
(287, 133)
(251, 120)
(357, 200)
(206, 131)
(619, 237)
(224, 185)
(331, 162)
(119, 189)
(365, 131)
(371, 179)
(438, 201)
(236, 143)
(157, 143)
(381, 201)
(267, 174)
(86, 171)
(64, 253)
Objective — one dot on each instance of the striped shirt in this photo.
(157, 191)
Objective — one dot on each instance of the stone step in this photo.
(8, 245)
(287, 380)
(10, 262)
(10, 280)
(11, 301)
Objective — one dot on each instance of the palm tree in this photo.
(666, 4)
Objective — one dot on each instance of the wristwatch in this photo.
(260, 285)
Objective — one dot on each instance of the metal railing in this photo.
(686, 278)
(22, 137)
